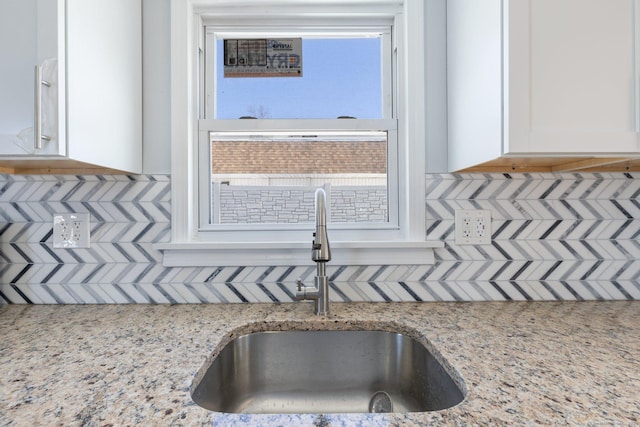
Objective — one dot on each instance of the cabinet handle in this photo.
(37, 126)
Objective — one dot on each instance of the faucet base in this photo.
(319, 293)
(321, 304)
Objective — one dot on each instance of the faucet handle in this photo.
(299, 282)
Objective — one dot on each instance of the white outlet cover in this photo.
(71, 230)
(472, 227)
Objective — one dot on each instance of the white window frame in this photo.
(243, 24)
(236, 27)
(270, 231)
(192, 246)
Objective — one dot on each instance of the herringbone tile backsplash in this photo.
(555, 237)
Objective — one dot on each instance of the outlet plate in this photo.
(473, 227)
(71, 230)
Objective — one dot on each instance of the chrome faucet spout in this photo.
(321, 251)
(320, 254)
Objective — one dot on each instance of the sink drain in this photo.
(380, 403)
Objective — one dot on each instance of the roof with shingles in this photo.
(298, 157)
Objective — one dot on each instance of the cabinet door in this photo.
(104, 83)
(29, 38)
(572, 76)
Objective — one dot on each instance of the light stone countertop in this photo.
(523, 363)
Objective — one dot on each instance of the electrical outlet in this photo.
(71, 230)
(467, 227)
(480, 227)
(473, 227)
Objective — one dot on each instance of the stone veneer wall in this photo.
(286, 205)
(555, 237)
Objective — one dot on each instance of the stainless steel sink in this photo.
(325, 372)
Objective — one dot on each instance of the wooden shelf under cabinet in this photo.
(555, 164)
(54, 166)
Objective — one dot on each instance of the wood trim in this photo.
(587, 164)
(54, 167)
(556, 164)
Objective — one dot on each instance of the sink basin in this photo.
(325, 372)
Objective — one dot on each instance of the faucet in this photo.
(320, 254)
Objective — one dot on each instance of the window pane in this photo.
(340, 77)
(271, 177)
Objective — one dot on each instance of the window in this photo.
(269, 177)
(232, 196)
(331, 115)
(342, 72)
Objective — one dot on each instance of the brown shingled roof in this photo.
(298, 157)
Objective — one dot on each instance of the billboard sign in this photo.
(263, 57)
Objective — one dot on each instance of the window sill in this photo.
(296, 253)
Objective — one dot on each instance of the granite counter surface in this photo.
(523, 363)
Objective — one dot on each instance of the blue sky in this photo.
(338, 77)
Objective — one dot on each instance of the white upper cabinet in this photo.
(71, 72)
(546, 78)
(29, 39)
